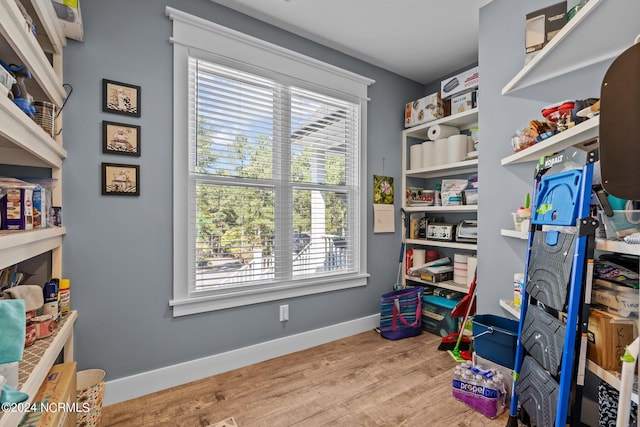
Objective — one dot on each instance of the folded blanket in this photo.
(12, 333)
(31, 294)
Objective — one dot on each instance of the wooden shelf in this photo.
(610, 377)
(580, 53)
(48, 24)
(584, 134)
(513, 233)
(17, 40)
(37, 361)
(462, 121)
(461, 208)
(510, 308)
(617, 246)
(441, 244)
(23, 142)
(18, 245)
(447, 284)
(465, 166)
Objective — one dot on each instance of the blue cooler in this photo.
(495, 338)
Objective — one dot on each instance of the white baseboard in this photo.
(127, 388)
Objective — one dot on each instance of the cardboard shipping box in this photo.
(463, 82)
(464, 102)
(56, 398)
(608, 336)
(541, 26)
(426, 109)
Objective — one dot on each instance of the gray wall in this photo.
(117, 251)
(502, 189)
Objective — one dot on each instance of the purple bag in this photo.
(400, 313)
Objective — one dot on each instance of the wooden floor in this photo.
(362, 380)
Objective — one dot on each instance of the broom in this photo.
(461, 342)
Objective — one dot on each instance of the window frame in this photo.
(194, 36)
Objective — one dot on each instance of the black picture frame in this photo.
(121, 98)
(120, 138)
(120, 179)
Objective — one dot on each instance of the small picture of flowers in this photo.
(383, 190)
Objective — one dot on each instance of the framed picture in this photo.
(120, 180)
(120, 138)
(120, 98)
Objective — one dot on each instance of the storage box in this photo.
(437, 277)
(426, 109)
(608, 336)
(70, 17)
(56, 399)
(619, 300)
(16, 209)
(464, 102)
(488, 364)
(6, 81)
(463, 82)
(41, 205)
(471, 196)
(436, 315)
(541, 26)
(495, 338)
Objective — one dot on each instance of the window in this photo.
(269, 150)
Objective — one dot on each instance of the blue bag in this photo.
(400, 313)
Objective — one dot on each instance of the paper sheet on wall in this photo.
(384, 219)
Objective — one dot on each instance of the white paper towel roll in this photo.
(415, 156)
(441, 153)
(428, 154)
(436, 132)
(457, 148)
(418, 257)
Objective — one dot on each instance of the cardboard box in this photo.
(608, 336)
(41, 205)
(541, 26)
(463, 82)
(437, 277)
(70, 17)
(56, 399)
(464, 102)
(16, 209)
(426, 109)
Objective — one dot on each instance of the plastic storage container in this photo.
(495, 338)
(436, 315)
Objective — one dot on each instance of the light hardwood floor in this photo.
(363, 380)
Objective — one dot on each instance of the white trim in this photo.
(199, 33)
(144, 383)
(283, 290)
(191, 33)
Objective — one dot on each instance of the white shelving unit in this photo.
(584, 135)
(613, 378)
(462, 121)
(24, 143)
(578, 54)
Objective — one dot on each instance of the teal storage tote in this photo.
(495, 338)
(436, 315)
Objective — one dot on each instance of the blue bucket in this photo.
(495, 338)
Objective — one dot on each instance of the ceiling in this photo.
(422, 40)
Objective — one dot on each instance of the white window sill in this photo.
(237, 298)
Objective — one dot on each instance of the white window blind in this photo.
(268, 171)
(274, 170)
